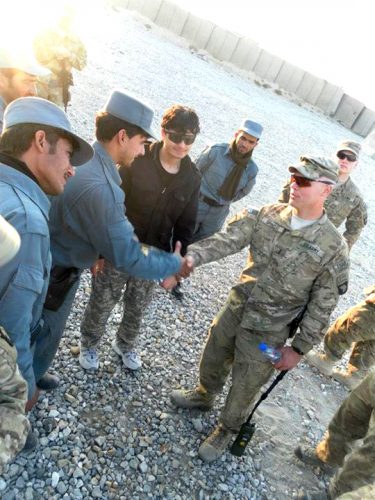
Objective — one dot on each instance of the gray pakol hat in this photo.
(131, 110)
(252, 128)
(315, 167)
(42, 112)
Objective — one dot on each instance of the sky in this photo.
(330, 38)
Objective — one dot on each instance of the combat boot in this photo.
(324, 363)
(348, 377)
(215, 445)
(313, 495)
(307, 455)
(192, 399)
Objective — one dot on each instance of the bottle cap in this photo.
(263, 346)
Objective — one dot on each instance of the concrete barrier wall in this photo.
(364, 123)
(310, 88)
(268, 66)
(171, 16)
(329, 98)
(222, 43)
(289, 77)
(348, 111)
(197, 31)
(247, 55)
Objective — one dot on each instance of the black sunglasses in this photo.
(178, 137)
(304, 182)
(350, 157)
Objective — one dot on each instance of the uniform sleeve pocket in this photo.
(29, 278)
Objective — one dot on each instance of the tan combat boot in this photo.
(215, 445)
(321, 361)
(350, 377)
(192, 399)
(307, 455)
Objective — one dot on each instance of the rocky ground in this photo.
(114, 434)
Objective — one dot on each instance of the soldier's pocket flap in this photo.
(30, 278)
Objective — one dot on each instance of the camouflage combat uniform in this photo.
(364, 493)
(356, 325)
(59, 51)
(286, 271)
(14, 424)
(353, 420)
(345, 203)
(108, 285)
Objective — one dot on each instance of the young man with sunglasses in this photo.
(228, 174)
(297, 266)
(161, 197)
(345, 204)
(88, 219)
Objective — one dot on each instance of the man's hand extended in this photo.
(31, 402)
(98, 267)
(187, 263)
(289, 359)
(169, 283)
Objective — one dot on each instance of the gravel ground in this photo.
(114, 434)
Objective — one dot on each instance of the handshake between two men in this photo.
(187, 267)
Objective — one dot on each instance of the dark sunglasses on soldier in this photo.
(178, 137)
(304, 182)
(350, 157)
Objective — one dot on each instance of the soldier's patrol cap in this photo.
(22, 61)
(352, 146)
(315, 167)
(41, 112)
(130, 109)
(252, 128)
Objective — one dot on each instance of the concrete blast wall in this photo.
(348, 111)
(247, 55)
(364, 123)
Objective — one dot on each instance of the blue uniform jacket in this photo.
(214, 164)
(24, 280)
(88, 220)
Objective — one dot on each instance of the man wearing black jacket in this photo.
(161, 199)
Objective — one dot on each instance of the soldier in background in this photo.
(60, 50)
(297, 262)
(356, 325)
(353, 420)
(345, 204)
(14, 425)
(18, 74)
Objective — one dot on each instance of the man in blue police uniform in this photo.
(37, 151)
(88, 220)
(228, 174)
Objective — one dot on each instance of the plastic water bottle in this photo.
(270, 353)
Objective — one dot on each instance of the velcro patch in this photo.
(252, 212)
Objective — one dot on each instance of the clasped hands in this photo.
(187, 265)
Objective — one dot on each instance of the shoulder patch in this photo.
(343, 288)
(340, 266)
(252, 212)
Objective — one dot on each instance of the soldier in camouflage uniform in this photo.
(14, 425)
(353, 420)
(60, 50)
(345, 204)
(356, 325)
(297, 260)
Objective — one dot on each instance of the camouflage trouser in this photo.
(106, 292)
(363, 493)
(14, 424)
(230, 347)
(352, 422)
(356, 325)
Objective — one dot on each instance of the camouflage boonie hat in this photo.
(315, 167)
(353, 147)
